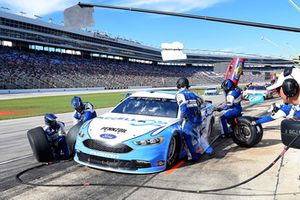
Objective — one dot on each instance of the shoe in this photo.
(209, 150)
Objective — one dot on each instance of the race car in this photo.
(211, 91)
(142, 134)
(257, 90)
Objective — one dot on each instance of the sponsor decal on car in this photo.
(117, 130)
(256, 98)
(107, 136)
(136, 122)
(107, 155)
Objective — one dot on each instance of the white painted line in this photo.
(15, 159)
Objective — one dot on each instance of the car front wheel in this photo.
(173, 151)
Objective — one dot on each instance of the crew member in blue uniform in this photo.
(55, 133)
(189, 105)
(287, 86)
(83, 111)
(232, 106)
(278, 111)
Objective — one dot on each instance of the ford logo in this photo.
(108, 136)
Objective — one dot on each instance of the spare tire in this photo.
(290, 129)
(245, 134)
(39, 144)
(71, 137)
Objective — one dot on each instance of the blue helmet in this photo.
(50, 119)
(77, 104)
(227, 85)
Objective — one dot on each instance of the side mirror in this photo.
(289, 131)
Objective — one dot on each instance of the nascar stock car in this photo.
(257, 90)
(140, 135)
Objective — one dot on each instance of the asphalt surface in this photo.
(228, 166)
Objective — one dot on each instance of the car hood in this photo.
(114, 128)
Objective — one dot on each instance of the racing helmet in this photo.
(77, 104)
(227, 85)
(183, 82)
(50, 120)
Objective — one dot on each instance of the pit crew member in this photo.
(189, 105)
(84, 111)
(55, 133)
(232, 106)
(288, 87)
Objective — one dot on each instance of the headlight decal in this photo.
(151, 141)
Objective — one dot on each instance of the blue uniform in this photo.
(233, 107)
(284, 110)
(56, 138)
(189, 105)
(87, 114)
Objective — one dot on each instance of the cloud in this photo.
(42, 7)
(172, 5)
(37, 7)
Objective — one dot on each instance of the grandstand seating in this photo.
(40, 69)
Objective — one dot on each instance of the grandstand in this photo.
(36, 54)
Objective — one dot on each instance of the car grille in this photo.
(102, 146)
(112, 163)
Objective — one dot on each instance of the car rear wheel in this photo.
(39, 144)
(173, 151)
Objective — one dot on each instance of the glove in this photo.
(274, 108)
(218, 109)
(253, 123)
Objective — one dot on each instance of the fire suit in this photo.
(57, 140)
(190, 112)
(87, 114)
(278, 111)
(233, 109)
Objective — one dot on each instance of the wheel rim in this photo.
(172, 151)
(243, 133)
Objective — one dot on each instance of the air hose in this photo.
(18, 177)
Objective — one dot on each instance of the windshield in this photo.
(160, 107)
(257, 88)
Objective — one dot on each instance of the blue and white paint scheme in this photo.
(140, 135)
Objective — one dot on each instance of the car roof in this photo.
(170, 94)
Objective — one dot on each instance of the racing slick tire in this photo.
(71, 137)
(173, 151)
(39, 144)
(245, 134)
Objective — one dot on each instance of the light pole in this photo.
(281, 48)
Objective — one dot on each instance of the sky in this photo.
(197, 35)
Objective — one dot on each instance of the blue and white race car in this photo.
(140, 135)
